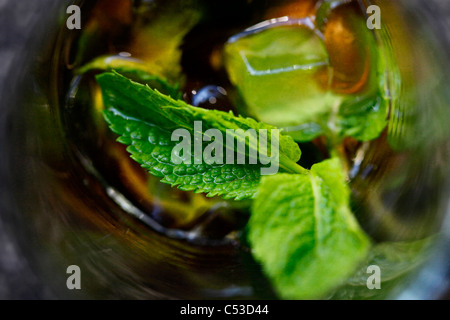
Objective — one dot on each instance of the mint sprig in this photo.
(145, 119)
(301, 227)
(302, 231)
(133, 69)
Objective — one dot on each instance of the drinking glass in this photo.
(60, 204)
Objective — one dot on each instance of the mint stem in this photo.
(290, 166)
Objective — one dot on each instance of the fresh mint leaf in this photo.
(133, 69)
(145, 120)
(151, 147)
(362, 118)
(396, 261)
(302, 231)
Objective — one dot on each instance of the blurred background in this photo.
(18, 280)
(25, 27)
